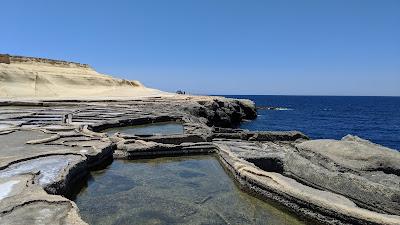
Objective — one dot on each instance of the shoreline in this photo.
(238, 150)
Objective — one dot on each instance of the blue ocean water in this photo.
(374, 118)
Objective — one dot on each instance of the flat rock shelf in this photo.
(177, 190)
(49, 148)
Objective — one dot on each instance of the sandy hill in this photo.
(29, 77)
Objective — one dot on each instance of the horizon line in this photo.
(301, 95)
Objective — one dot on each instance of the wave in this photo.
(283, 109)
(273, 108)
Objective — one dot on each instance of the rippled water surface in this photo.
(373, 118)
(167, 128)
(184, 190)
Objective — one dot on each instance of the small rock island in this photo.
(54, 116)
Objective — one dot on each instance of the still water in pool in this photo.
(167, 128)
(184, 190)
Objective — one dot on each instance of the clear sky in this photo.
(301, 47)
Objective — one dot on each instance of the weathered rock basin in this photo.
(163, 128)
(179, 190)
(47, 167)
(43, 156)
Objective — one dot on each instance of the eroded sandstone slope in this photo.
(28, 77)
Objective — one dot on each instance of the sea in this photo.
(330, 117)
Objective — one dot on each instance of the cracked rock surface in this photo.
(47, 147)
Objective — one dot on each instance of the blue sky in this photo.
(324, 47)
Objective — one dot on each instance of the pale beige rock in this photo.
(355, 153)
(40, 78)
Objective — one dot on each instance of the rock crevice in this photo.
(349, 181)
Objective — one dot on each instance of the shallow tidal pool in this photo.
(181, 190)
(166, 128)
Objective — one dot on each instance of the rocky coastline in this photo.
(44, 156)
(53, 117)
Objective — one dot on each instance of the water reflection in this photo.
(184, 190)
(167, 128)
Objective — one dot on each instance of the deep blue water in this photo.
(374, 118)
